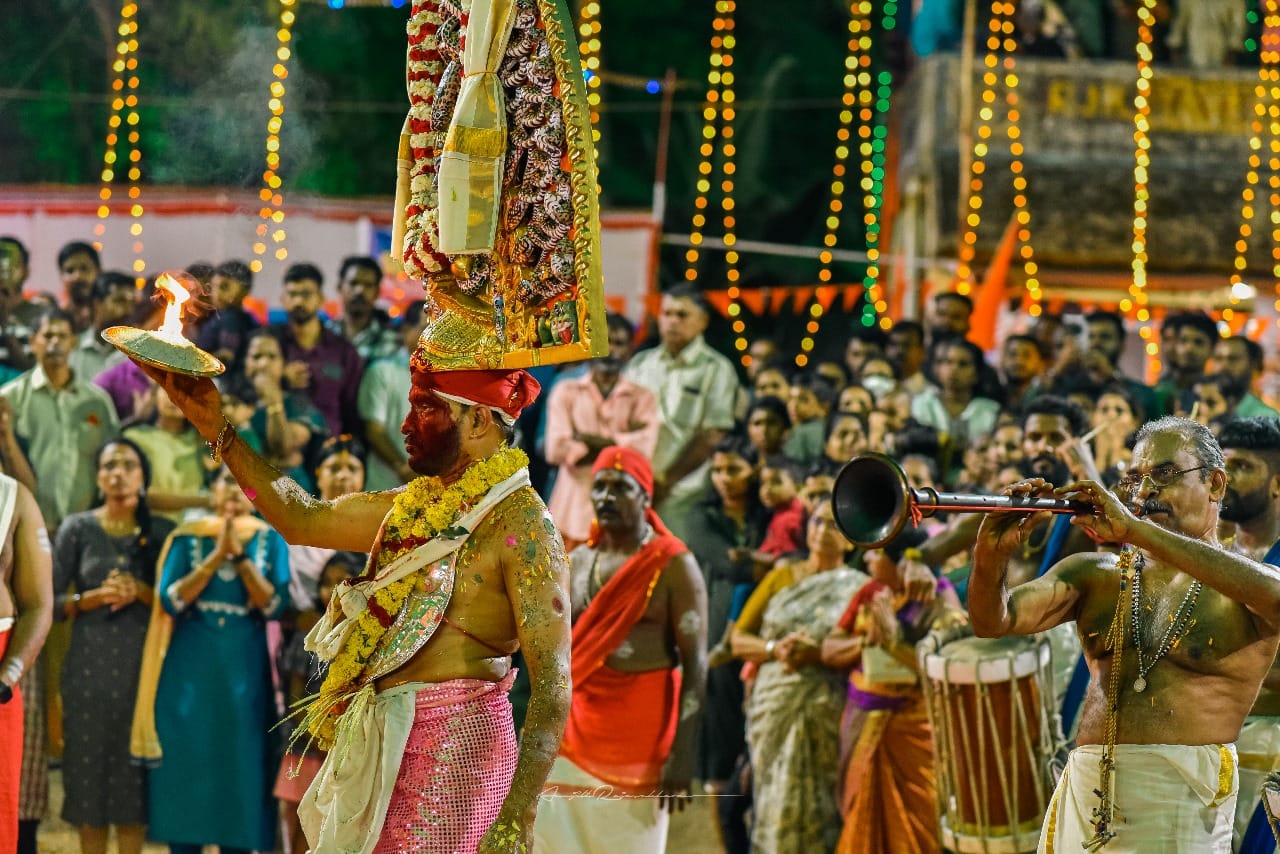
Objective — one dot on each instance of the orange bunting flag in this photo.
(850, 295)
(719, 301)
(826, 294)
(753, 298)
(804, 296)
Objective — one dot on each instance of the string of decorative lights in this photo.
(874, 134)
(1251, 20)
(124, 111)
(1270, 56)
(272, 210)
(1265, 99)
(857, 87)
(872, 106)
(1000, 24)
(1273, 163)
(857, 74)
(728, 148)
(719, 111)
(1022, 212)
(589, 50)
(131, 119)
(1136, 302)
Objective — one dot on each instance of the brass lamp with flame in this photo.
(166, 348)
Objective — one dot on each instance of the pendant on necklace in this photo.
(1140, 684)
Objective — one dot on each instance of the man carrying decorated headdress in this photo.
(465, 568)
(497, 214)
(639, 673)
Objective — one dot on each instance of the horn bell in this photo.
(871, 500)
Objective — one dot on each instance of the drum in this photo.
(989, 706)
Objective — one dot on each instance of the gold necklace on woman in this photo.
(117, 527)
(811, 568)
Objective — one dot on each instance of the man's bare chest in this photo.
(591, 573)
(1193, 630)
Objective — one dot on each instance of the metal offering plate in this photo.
(177, 356)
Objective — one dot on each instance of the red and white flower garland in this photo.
(425, 68)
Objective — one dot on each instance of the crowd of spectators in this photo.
(744, 466)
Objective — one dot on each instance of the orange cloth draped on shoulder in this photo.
(10, 760)
(621, 725)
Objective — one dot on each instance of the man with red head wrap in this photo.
(639, 613)
(505, 392)
(465, 568)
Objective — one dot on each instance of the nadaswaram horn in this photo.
(872, 501)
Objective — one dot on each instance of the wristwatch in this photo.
(237, 557)
(6, 693)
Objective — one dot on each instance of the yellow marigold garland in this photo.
(425, 509)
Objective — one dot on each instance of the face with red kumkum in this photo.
(433, 435)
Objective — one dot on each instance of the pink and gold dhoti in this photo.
(419, 768)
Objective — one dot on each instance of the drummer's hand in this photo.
(1110, 521)
(1005, 532)
(921, 585)
(197, 397)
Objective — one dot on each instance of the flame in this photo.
(175, 297)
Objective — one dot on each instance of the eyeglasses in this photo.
(1161, 476)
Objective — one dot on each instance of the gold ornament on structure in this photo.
(461, 334)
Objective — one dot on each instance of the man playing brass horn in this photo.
(1178, 633)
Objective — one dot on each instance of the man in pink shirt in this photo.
(587, 414)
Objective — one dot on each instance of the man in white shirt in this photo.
(63, 419)
(697, 389)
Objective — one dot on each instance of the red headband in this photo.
(507, 391)
(626, 460)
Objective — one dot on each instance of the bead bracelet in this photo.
(219, 446)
